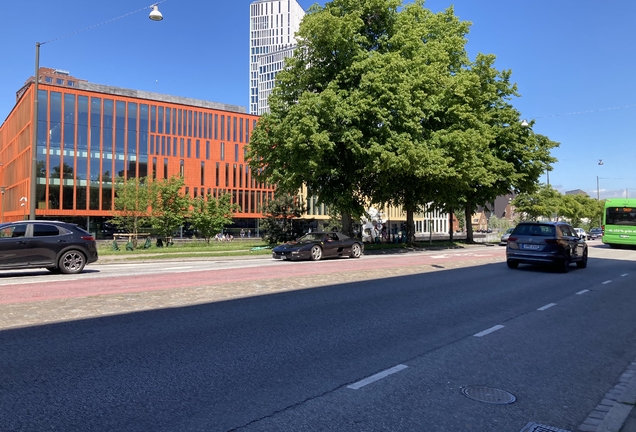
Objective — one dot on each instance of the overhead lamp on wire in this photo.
(600, 161)
(155, 15)
(524, 123)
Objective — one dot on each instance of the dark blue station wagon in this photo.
(550, 243)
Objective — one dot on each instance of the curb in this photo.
(618, 404)
(617, 416)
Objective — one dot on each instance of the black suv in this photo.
(553, 243)
(59, 247)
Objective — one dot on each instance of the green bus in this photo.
(619, 222)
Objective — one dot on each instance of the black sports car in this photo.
(318, 245)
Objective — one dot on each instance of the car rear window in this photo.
(535, 230)
(42, 230)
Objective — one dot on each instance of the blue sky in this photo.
(573, 62)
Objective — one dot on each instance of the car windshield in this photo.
(311, 237)
(536, 230)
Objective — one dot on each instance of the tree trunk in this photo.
(347, 225)
(450, 222)
(469, 222)
(410, 227)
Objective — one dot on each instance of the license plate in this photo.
(530, 246)
(284, 257)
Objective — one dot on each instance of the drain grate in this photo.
(536, 427)
(488, 395)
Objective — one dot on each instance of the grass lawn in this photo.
(187, 249)
(199, 249)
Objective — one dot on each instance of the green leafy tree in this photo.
(210, 215)
(281, 221)
(132, 205)
(381, 105)
(170, 205)
(544, 202)
(580, 210)
(345, 114)
(596, 218)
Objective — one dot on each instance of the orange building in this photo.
(88, 134)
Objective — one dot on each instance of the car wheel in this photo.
(512, 264)
(72, 262)
(583, 262)
(565, 265)
(316, 253)
(356, 251)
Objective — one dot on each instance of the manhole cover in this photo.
(536, 427)
(488, 395)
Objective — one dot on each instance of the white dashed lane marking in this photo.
(606, 282)
(548, 306)
(488, 331)
(624, 274)
(583, 291)
(376, 377)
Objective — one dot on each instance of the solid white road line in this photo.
(377, 377)
(548, 306)
(490, 330)
(582, 292)
(606, 282)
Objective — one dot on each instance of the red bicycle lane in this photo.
(125, 284)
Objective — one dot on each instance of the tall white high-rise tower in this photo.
(273, 24)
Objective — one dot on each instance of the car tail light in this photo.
(88, 238)
(512, 239)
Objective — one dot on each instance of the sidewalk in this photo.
(616, 412)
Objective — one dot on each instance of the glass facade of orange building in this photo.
(88, 134)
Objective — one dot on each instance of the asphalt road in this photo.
(272, 346)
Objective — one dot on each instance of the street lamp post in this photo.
(155, 15)
(598, 195)
(2, 188)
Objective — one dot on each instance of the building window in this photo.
(222, 151)
(153, 118)
(70, 83)
(48, 80)
(202, 175)
(181, 168)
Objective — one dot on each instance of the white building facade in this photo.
(273, 24)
